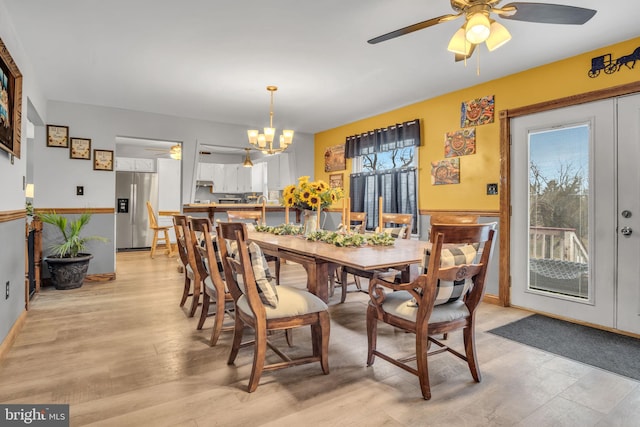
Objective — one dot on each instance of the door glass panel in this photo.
(559, 212)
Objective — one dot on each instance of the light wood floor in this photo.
(124, 354)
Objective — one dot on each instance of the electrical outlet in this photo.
(6, 292)
(492, 189)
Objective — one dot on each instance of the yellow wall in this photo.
(442, 114)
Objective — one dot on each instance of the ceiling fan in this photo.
(480, 27)
(175, 151)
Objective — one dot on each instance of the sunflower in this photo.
(309, 194)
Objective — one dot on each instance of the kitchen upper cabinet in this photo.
(278, 172)
(230, 179)
(259, 178)
(206, 171)
(135, 165)
(244, 179)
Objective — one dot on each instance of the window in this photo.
(384, 165)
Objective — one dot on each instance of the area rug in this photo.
(615, 353)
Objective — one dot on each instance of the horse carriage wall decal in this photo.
(606, 63)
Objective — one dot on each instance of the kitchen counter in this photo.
(212, 208)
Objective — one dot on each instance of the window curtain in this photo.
(400, 135)
(397, 187)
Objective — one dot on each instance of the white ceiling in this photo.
(212, 59)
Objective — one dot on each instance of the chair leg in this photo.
(321, 337)
(259, 354)
(468, 335)
(422, 346)
(357, 280)
(218, 321)
(187, 287)
(196, 298)
(343, 280)
(277, 262)
(154, 243)
(168, 243)
(288, 333)
(372, 334)
(237, 339)
(206, 301)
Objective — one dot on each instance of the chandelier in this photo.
(264, 141)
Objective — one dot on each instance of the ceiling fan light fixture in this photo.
(176, 152)
(498, 37)
(477, 28)
(459, 43)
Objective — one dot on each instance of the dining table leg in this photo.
(317, 273)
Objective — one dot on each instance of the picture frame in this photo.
(336, 180)
(334, 159)
(102, 160)
(11, 105)
(80, 148)
(58, 136)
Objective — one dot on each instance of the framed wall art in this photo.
(336, 180)
(57, 136)
(10, 103)
(334, 159)
(80, 148)
(102, 160)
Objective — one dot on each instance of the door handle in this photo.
(626, 231)
(132, 202)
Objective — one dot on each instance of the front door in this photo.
(576, 204)
(628, 214)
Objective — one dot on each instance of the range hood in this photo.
(204, 183)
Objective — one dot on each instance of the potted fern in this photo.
(69, 263)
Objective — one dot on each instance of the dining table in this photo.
(320, 259)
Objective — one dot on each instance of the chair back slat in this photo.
(227, 232)
(206, 251)
(178, 221)
(438, 219)
(153, 222)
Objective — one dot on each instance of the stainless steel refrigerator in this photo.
(133, 190)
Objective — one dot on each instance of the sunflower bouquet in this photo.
(309, 194)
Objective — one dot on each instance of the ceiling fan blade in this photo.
(460, 57)
(411, 28)
(548, 13)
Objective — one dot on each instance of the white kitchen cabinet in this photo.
(230, 178)
(205, 171)
(278, 171)
(135, 165)
(259, 178)
(244, 179)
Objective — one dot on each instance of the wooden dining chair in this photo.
(241, 216)
(254, 217)
(447, 218)
(294, 307)
(357, 223)
(193, 280)
(153, 225)
(210, 270)
(441, 301)
(399, 226)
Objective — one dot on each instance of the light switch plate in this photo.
(79, 190)
(492, 189)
